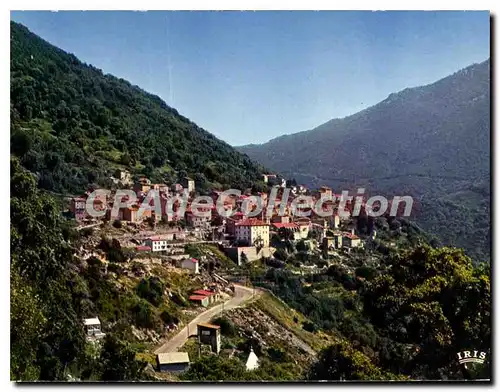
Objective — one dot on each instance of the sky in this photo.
(248, 77)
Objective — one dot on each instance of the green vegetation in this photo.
(404, 319)
(72, 125)
(50, 297)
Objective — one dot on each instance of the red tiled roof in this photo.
(197, 297)
(290, 225)
(251, 222)
(142, 247)
(203, 292)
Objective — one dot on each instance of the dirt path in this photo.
(241, 294)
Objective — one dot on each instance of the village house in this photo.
(197, 221)
(143, 185)
(304, 227)
(211, 295)
(175, 362)
(351, 240)
(191, 264)
(157, 243)
(325, 192)
(93, 328)
(291, 230)
(266, 177)
(123, 176)
(78, 207)
(252, 232)
(231, 222)
(200, 300)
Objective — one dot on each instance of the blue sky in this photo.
(248, 77)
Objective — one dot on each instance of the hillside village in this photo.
(211, 251)
(241, 237)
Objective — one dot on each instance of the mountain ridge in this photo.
(73, 125)
(431, 142)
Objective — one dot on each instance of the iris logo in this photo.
(467, 357)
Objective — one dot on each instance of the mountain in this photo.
(73, 125)
(431, 142)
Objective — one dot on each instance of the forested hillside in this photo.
(72, 124)
(430, 142)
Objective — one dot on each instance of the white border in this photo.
(200, 5)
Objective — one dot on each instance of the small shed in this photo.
(210, 334)
(93, 328)
(176, 362)
(200, 300)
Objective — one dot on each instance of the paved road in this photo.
(241, 294)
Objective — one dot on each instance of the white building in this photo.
(252, 232)
(93, 328)
(191, 264)
(157, 244)
(252, 361)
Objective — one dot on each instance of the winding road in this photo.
(241, 294)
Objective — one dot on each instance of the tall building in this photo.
(252, 232)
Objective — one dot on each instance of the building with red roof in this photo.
(252, 232)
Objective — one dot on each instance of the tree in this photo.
(435, 300)
(118, 361)
(243, 258)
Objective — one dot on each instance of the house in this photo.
(266, 177)
(291, 230)
(199, 221)
(93, 328)
(123, 176)
(211, 295)
(143, 185)
(304, 227)
(252, 232)
(351, 240)
(129, 214)
(175, 362)
(78, 207)
(252, 361)
(191, 264)
(188, 183)
(231, 222)
(210, 334)
(157, 243)
(200, 300)
(325, 192)
(143, 248)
